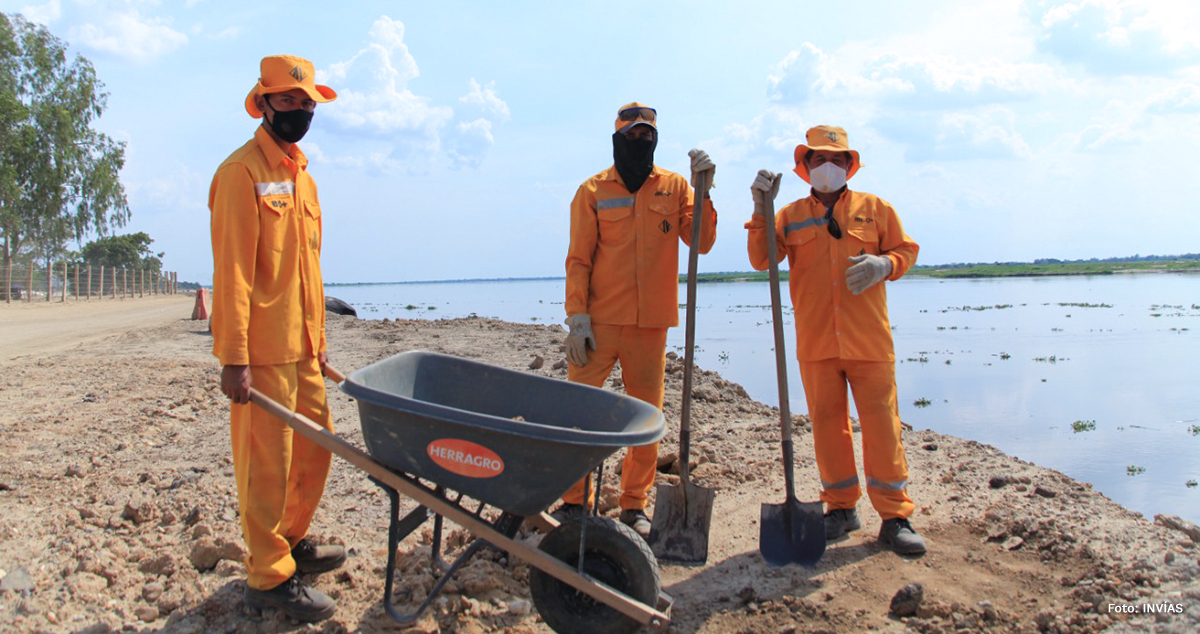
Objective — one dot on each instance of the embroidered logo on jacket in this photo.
(662, 193)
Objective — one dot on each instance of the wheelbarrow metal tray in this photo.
(451, 420)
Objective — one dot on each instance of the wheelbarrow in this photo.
(513, 441)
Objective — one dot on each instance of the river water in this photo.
(1091, 375)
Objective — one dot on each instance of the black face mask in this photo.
(634, 159)
(291, 125)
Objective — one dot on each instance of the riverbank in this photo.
(117, 501)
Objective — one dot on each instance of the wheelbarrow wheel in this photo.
(616, 556)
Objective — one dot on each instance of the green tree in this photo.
(59, 178)
(130, 251)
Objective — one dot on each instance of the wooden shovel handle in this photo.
(785, 414)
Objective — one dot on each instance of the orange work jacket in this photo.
(268, 298)
(623, 261)
(832, 322)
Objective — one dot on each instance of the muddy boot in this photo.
(294, 599)
(566, 512)
(637, 520)
(311, 558)
(898, 535)
(838, 522)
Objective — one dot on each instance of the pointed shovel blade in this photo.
(682, 516)
(792, 533)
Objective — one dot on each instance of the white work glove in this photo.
(702, 163)
(764, 188)
(866, 271)
(579, 339)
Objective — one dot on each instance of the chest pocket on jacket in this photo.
(312, 225)
(275, 219)
(802, 247)
(615, 223)
(665, 219)
(863, 235)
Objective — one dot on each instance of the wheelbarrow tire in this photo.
(614, 555)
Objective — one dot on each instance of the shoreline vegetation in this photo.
(1186, 263)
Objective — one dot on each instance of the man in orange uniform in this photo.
(840, 245)
(623, 282)
(268, 326)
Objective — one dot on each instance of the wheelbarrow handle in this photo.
(333, 373)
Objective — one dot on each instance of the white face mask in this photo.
(827, 178)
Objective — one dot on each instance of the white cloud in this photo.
(43, 14)
(989, 133)
(121, 29)
(1184, 97)
(228, 33)
(407, 131)
(486, 99)
(1121, 36)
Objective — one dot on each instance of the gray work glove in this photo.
(765, 185)
(702, 163)
(866, 271)
(579, 339)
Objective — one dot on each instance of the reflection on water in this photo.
(1008, 362)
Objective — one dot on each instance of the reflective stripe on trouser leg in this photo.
(642, 352)
(873, 384)
(310, 463)
(833, 437)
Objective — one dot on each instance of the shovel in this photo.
(683, 512)
(792, 532)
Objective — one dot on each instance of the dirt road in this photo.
(42, 327)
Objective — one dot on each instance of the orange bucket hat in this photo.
(636, 113)
(281, 73)
(825, 137)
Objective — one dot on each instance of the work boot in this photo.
(637, 520)
(311, 558)
(294, 599)
(838, 522)
(899, 535)
(567, 511)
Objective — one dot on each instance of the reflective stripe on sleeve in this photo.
(888, 486)
(626, 201)
(276, 188)
(840, 484)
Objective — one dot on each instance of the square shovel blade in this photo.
(792, 533)
(682, 516)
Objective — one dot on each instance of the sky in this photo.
(1000, 130)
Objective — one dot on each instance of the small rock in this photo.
(205, 554)
(747, 594)
(146, 613)
(666, 459)
(1012, 543)
(17, 581)
(1044, 492)
(929, 446)
(152, 591)
(193, 516)
(986, 610)
(201, 530)
(4, 486)
(520, 607)
(138, 512)
(537, 363)
(74, 471)
(906, 601)
(84, 584)
(561, 364)
(1177, 523)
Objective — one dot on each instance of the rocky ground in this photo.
(118, 512)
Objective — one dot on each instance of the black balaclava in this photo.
(634, 159)
(291, 125)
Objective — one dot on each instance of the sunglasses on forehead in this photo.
(633, 114)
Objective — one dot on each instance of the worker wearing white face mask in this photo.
(840, 245)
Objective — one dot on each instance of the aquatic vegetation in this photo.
(1194, 430)
(1083, 425)
(1191, 484)
(1005, 356)
(922, 402)
(1134, 470)
(1085, 305)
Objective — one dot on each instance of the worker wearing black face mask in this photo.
(623, 282)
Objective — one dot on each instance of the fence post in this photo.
(8, 284)
(124, 283)
(64, 295)
(29, 286)
(49, 280)
(76, 281)
(174, 282)
(114, 282)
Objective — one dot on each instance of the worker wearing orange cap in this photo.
(840, 245)
(268, 325)
(623, 282)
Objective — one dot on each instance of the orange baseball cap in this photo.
(281, 73)
(636, 113)
(825, 137)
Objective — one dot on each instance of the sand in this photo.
(118, 510)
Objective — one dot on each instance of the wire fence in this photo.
(78, 282)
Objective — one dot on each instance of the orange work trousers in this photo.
(280, 475)
(642, 353)
(873, 384)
